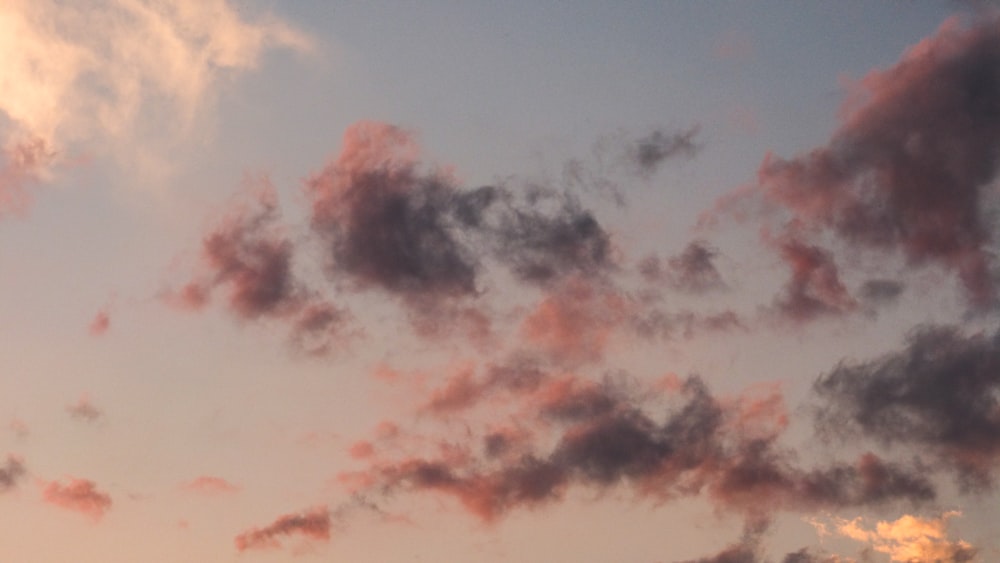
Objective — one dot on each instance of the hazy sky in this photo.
(564, 281)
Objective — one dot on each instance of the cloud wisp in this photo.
(74, 90)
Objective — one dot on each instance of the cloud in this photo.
(939, 395)
(575, 322)
(100, 323)
(313, 524)
(692, 271)
(814, 288)
(601, 436)
(63, 84)
(84, 410)
(11, 473)
(622, 156)
(881, 292)
(248, 256)
(386, 223)
(911, 169)
(210, 485)
(649, 152)
(549, 237)
(80, 495)
(910, 538)
(389, 223)
(22, 163)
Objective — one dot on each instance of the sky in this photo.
(564, 281)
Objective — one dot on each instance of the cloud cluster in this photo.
(574, 432)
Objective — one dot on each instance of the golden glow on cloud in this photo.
(61, 82)
(906, 539)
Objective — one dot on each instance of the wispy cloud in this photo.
(72, 89)
(312, 524)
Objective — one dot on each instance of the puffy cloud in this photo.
(11, 473)
(912, 167)
(61, 83)
(910, 538)
(313, 524)
(84, 410)
(80, 495)
(387, 224)
(392, 224)
(940, 394)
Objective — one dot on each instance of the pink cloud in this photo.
(100, 323)
(80, 495)
(313, 524)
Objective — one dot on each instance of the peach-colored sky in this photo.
(648, 282)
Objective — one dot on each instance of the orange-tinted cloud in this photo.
(80, 495)
(910, 538)
(65, 85)
(312, 524)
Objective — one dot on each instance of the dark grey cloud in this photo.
(912, 168)
(692, 271)
(388, 223)
(649, 152)
(11, 473)
(606, 438)
(939, 395)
